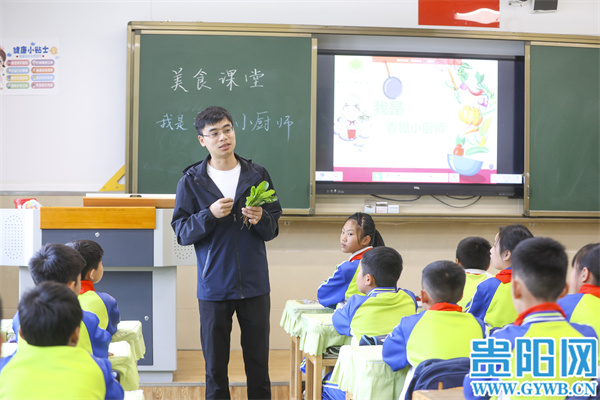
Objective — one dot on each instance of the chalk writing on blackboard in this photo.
(200, 83)
(177, 78)
(228, 78)
(262, 122)
(167, 122)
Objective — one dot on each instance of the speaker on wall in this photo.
(544, 5)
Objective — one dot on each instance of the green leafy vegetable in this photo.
(259, 195)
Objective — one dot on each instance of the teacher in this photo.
(233, 275)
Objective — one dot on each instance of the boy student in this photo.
(583, 307)
(383, 305)
(102, 304)
(51, 366)
(492, 302)
(473, 254)
(539, 274)
(376, 312)
(233, 274)
(442, 330)
(60, 263)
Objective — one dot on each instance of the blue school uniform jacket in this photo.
(231, 258)
(342, 284)
(492, 301)
(472, 279)
(443, 331)
(545, 320)
(103, 305)
(583, 307)
(57, 372)
(375, 314)
(92, 338)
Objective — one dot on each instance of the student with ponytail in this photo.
(358, 236)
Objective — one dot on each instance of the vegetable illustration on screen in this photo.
(476, 102)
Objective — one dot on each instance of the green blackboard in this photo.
(564, 147)
(266, 82)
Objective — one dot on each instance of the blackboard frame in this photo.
(342, 36)
(303, 200)
(571, 193)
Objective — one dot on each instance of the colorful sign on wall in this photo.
(29, 66)
(481, 13)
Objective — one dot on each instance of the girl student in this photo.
(358, 236)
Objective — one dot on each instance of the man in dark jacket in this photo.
(233, 274)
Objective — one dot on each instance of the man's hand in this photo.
(222, 207)
(254, 214)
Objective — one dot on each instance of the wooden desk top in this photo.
(446, 394)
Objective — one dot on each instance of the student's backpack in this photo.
(430, 373)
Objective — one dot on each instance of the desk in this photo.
(316, 336)
(291, 322)
(446, 394)
(123, 361)
(6, 330)
(131, 332)
(8, 349)
(361, 371)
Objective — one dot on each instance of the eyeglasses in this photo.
(225, 131)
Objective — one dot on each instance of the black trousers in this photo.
(216, 318)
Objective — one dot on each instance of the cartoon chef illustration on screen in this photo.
(351, 120)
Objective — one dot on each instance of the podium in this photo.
(141, 255)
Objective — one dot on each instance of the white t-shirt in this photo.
(226, 181)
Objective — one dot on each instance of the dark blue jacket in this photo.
(231, 259)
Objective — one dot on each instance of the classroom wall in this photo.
(75, 140)
(307, 251)
(57, 147)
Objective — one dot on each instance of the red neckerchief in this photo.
(446, 307)
(86, 286)
(590, 289)
(360, 255)
(538, 308)
(505, 276)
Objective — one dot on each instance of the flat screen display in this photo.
(406, 124)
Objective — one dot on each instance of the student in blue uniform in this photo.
(60, 263)
(441, 331)
(358, 236)
(539, 268)
(583, 306)
(473, 254)
(102, 304)
(51, 366)
(492, 302)
(379, 310)
(382, 306)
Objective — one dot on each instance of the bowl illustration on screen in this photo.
(463, 165)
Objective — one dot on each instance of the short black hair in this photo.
(589, 259)
(49, 314)
(541, 263)
(366, 227)
(210, 116)
(56, 262)
(384, 264)
(444, 281)
(511, 235)
(473, 252)
(91, 252)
